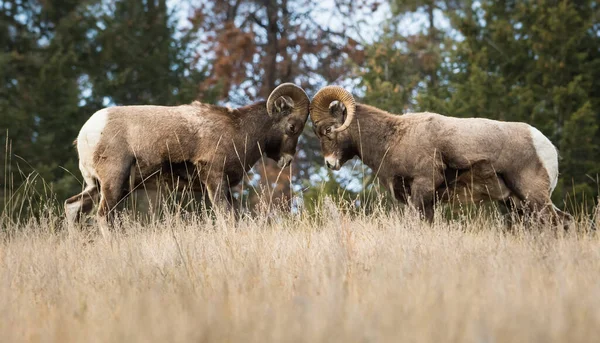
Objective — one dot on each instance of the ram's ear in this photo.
(283, 105)
(338, 110)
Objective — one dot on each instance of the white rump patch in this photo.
(87, 142)
(547, 154)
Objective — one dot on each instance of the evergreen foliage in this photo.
(531, 61)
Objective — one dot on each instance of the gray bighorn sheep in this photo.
(425, 157)
(217, 144)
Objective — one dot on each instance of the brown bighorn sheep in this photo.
(218, 144)
(425, 157)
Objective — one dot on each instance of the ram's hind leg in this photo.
(114, 181)
(80, 204)
(534, 199)
(511, 211)
(563, 218)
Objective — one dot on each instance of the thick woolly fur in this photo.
(203, 146)
(426, 157)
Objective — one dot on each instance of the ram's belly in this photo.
(472, 187)
(182, 176)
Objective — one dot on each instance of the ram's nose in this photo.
(332, 162)
(285, 160)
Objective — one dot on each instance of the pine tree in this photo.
(136, 58)
(39, 69)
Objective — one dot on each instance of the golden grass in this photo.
(385, 277)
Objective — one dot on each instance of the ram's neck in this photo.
(370, 132)
(253, 125)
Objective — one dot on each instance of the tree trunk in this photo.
(270, 171)
(432, 43)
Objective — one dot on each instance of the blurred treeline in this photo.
(531, 61)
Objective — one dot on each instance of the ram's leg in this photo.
(534, 197)
(234, 204)
(422, 195)
(511, 210)
(399, 189)
(110, 196)
(113, 188)
(388, 183)
(565, 219)
(218, 194)
(535, 209)
(80, 204)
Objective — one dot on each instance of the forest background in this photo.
(531, 61)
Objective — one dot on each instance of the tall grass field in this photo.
(328, 276)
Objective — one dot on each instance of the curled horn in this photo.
(324, 97)
(297, 94)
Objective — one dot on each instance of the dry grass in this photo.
(385, 277)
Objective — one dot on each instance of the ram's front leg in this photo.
(234, 204)
(422, 196)
(217, 192)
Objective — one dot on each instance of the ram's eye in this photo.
(328, 130)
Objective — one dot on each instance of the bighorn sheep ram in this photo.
(219, 144)
(425, 157)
